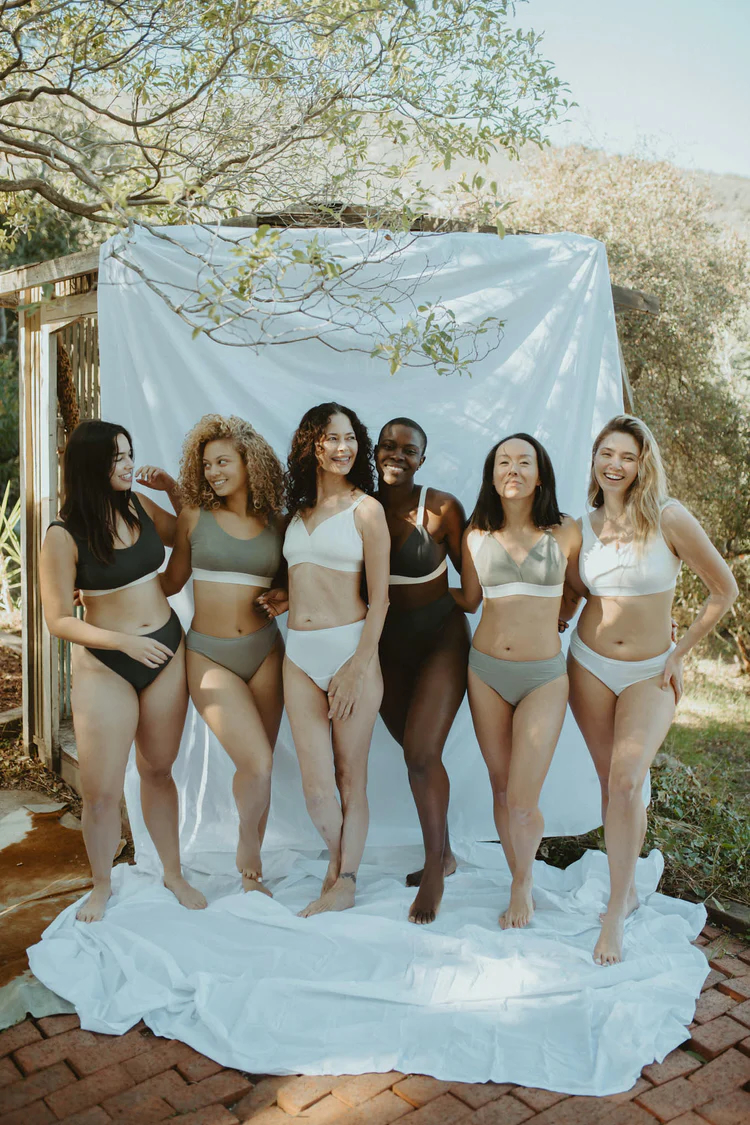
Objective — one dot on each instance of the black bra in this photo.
(131, 565)
(420, 558)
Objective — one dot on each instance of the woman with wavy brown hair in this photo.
(332, 680)
(228, 537)
(625, 675)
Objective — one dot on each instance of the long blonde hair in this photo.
(265, 475)
(648, 493)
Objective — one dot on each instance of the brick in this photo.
(37, 1086)
(443, 1110)
(211, 1115)
(687, 1119)
(226, 1087)
(745, 955)
(95, 1115)
(164, 1086)
(536, 1099)
(727, 946)
(55, 1025)
(261, 1096)
(108, 1050)
(711, 932)
(627, 1095)
(419, 1089)
(504, 1111)
(575, 1111)
(730, 1070)
(732, 1109)
(383, 1109)
(629, 1114)
(9, 1072)
(741, 1013)
(714, 1037)
(47, 1052)
(146, 1109)
(477, 1094)
(729, 966)
(194, 1067)
(328, 1109)
(675, 1065)
(35, 1114)
(673, 1098)
(712, 979)
(701, 940)
(301, 1092)
(89, 1091)
(362, 1087)
(711, 1004)
(15, 1037)
(736, 987)
(744, 1046)
(161, 1055)
(271, 1115)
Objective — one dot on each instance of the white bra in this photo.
(116, 589)
(609, 571)
(335, 543)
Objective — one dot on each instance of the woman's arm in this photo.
(275, 601)
(571, 541)
(161, 481)
(164, 522)
(346, 686)
(454, 521)
(57, 575)
(469, 597)
(179, 567)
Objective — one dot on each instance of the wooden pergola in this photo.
(58, 385)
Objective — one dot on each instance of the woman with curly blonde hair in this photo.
(228, 537)
(625, 675)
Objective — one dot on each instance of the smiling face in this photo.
(337, 447)
(224, 468)
(121, 476)
(399, 454)
(516, 472)
(616, 463)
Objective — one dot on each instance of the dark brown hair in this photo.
(488, 514)
(302, 463)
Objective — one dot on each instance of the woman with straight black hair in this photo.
(128, 651)
(516, 551)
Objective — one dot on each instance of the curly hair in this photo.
(265, 475)
(302, 463)
(648, 493)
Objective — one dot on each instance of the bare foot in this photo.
(253, 881)
(425, 907)
(631, 905)
(185, 894)
(608, 949)
(338, 897)
(449, 867)
(331, 878)
(93, 908)
(520, 908)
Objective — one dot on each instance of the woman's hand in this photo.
(154, 477)
(345, 689)
(145, 650)
(672, 678)
(274, 602)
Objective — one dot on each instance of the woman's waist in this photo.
(517, 639)
(408, 597)
(618, 629)
(229, 623)
(137, 610)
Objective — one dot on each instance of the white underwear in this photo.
(616, 674)
(321, 652)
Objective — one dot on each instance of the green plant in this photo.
(10, 554)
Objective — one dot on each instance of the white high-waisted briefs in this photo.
(321, 652)
(616, 674)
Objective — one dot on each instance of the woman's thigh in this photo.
(226, 704)
(307, 709)
(267, 691)
(351, 737)
(643, 717)
(438, 689)
(537, 723)
(105, 720)
(163, 705)
(593, 706)
(493, 725)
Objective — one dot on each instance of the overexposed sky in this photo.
(663, 78)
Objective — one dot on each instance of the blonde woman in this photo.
(625, 675)
(229, 536)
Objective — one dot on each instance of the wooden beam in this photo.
(57, 269)
(69, 308)
(633, 299)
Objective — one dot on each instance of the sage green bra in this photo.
(540, 575)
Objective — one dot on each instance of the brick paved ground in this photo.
(51, 1071)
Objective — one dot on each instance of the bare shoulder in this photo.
(188, 518)
(59, 539)
(569, 531)
(448, 506)
(369, 511)
(675, 515)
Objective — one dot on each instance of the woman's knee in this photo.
(154, 773)
(522, 808)
(99, 804)
(624, 784)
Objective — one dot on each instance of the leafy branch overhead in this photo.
(176, 111)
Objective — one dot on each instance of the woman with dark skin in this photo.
(425, 642)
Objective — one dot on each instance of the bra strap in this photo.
(420, 509)
(356, 503)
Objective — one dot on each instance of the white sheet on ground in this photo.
(249, 983)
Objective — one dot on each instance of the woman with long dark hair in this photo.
(332, 680)
(128, 651)
(516, 551)
(425, 642)
(229, 536)
(625, 674)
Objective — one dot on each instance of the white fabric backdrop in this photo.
(249, 983)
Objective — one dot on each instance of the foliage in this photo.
(147, 112)
(10, 553)
(689, 365)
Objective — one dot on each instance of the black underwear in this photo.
(409, 634)
(137, 674)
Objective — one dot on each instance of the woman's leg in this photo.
(105, 717)
(436, 697)
(493, 725)
(537, 723)
(643, 717)
(267, 691)
(307, 708)
(227, 705)
(163, 705)
(351, 747)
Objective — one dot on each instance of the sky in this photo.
(668, 79)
